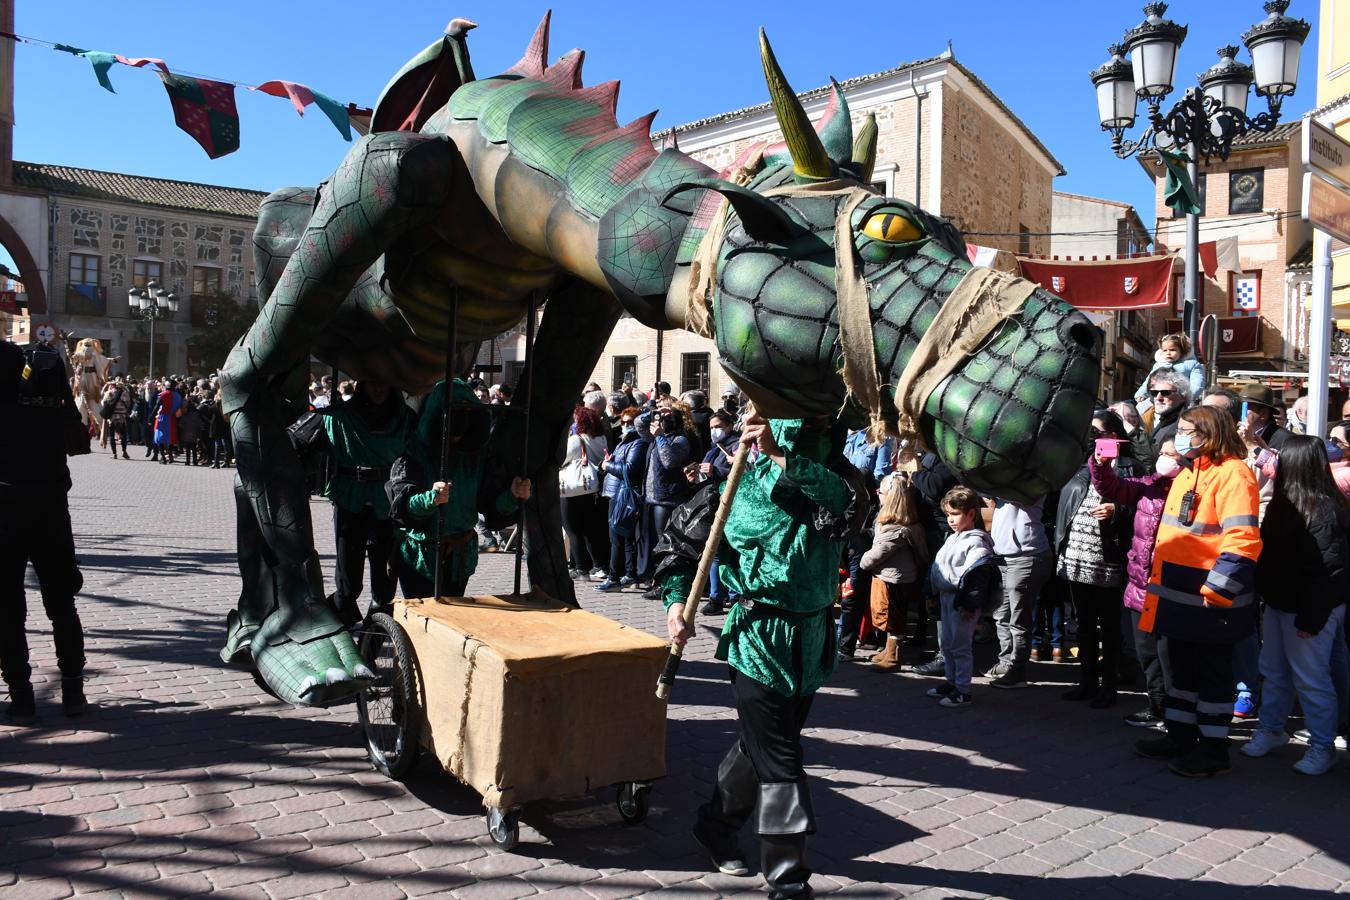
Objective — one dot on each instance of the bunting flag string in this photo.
(205, 108)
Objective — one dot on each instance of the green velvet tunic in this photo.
(352, 443)
(772, 555)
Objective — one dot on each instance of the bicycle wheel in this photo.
(387, 709)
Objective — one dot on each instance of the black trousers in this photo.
(38, 531)
(1098, 631)
(771, 729)
(851, 608)
(1201, 694)
(586, 520)
(114, 430)
(622, 556)
(1151, 651)
(361, 536)
(415, 586)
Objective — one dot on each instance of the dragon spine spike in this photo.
(865, 149)
(460, 27)
(810, 161)
(534, 62)
(604, 96)
(566, 72)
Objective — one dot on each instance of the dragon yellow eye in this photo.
(892, 228)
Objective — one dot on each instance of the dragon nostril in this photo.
(1085, 336)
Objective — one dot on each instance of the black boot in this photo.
(1208, 757)
(22, 705)
(720, 820)
(783, 819)
(72, 696)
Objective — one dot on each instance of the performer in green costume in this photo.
(365, 435)
(799, 500)
(415, 492)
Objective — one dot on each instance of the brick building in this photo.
(1254, 196)
(1098, 228)
(945, 141)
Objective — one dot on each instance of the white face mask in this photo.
(1167, 467)
(719, 435)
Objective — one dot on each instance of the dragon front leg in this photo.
(389, 184)
(575, 327)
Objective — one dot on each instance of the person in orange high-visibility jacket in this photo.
(1201, 594)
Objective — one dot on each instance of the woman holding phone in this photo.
(1092, 538)
(1201, 590)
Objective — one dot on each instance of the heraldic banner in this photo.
(1104, 284)
(1236, 335)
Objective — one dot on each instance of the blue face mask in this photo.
(1182, 442)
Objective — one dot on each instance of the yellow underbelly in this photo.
(492, 298)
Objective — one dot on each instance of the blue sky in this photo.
(688, 60)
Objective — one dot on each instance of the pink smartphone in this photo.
(1108, 448)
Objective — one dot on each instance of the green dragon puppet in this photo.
(823, 297)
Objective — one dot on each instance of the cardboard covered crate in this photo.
(526, 699)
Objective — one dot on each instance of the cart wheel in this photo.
(633, 802)
(504, 828)
(388, 708)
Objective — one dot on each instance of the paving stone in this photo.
(187, 780)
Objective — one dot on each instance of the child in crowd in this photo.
(897, 556)
(1174, 352)
(963, 576)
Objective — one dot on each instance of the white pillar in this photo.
(1319, 335)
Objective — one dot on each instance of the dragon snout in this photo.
(1077, 331)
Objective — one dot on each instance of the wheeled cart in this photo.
(519, 697)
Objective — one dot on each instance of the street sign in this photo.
(1326, 206)
(1326, 153)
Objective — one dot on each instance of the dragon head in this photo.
(1010, 420)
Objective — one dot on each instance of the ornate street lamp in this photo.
(153, 302)
(1206, 120)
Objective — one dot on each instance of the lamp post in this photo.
(153, 302)
(1207, 118)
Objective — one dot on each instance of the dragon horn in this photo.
(865, 149)
(809, 159)
(835, 126)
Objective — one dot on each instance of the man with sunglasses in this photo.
(1168, 392)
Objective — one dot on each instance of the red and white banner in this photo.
(1236, 334)
(1104, 284)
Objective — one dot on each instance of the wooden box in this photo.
(525, 699)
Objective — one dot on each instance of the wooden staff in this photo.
(528, 378)
(705, 562)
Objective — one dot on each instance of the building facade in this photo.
(1254, 196)
(945, 142)
(109, 233)
(1096, 228)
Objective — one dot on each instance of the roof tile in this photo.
(115, 186)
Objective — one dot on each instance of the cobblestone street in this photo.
(186, 778)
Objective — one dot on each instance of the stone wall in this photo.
(991, 185)
(122, 233)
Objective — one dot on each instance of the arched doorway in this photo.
(28, 271)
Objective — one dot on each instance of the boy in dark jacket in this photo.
(964, 576)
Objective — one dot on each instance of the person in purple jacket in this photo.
(1148, 494)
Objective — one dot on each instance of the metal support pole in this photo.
(1319, 335)
(443, 473)
(525, 444)
(152, 314)
(660, 346)
(1194, 299)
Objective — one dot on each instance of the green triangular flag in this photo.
(1179, 193)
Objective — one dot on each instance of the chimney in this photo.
(6, 94)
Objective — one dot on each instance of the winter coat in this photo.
(1202, 586)
(1188, 366)
(965, 571)
(719, 457)
(1116, 532)
(1303, 565)
(666, 459)
(898, 554)
(189, 425)
(614, 467)
(933, 480)
(1147, 494)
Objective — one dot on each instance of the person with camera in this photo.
(36, 401)
(1202, 590)
(666, 487)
